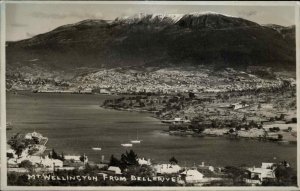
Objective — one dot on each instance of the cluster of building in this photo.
(164, 81)
(173, 81)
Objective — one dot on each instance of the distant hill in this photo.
(148, 40)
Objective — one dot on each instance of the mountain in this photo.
(155, 40)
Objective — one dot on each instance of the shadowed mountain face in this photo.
(156, 41)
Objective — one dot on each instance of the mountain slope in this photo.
(156, 40)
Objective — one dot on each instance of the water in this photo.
(75, 123)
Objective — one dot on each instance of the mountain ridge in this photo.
(157, 40)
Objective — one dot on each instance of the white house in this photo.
(12, 162)
(37, 160)
(33, 135)
(75, 158)
(51, 163)
(266, 171)
(267, 165)
(192, 176)
(210, 168)
(114, 169)
(236, 106)
(167, 168)
(143, 161)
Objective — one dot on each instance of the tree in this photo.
(259, 106)
(9, 155)
(83, 158)
(114, 161)
(54, 155)
(18, 144)
(173, 160)
(62, 156)
(285, 175)
(231, 130)
(191, 95)
(289, 129)
(129, 158)
(281, 117)
(244, 118)
(280, 137)
(26, 164)
(236, 174)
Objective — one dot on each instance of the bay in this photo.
(74, 123)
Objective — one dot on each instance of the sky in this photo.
(27, 20)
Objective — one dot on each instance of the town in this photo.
(267, 113)
(29, 164)
(155, 81)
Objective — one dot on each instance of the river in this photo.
(74, 123)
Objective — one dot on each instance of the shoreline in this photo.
(207, 134)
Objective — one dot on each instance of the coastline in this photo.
(212, 132)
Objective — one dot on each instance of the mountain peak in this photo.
(149, 18)
(205, 13)
(212, 20)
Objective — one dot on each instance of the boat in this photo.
(96, 148)
(126, 145)
(136, 141)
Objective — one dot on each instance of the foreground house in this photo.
(143, 161)
(265, 171)
(114, 169)
(192, 176)
(167, 168)
(37, 161)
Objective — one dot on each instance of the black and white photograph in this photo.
(153, 94)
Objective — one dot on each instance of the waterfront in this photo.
(75, 123)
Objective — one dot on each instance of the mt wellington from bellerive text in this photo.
(202, 75)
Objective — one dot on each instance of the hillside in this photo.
(145, 40)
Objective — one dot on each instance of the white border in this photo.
(233, 3)
(3, 96)
(297, 22)
(3, 176)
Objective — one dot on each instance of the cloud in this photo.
(44, 15)
(247, 13)
(18, 25)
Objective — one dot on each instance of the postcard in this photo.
(149, 95)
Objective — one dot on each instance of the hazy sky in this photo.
(26, 20)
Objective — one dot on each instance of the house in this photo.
(203, 167)
(17, 170)
(266, 106)
(236, 106)
(104, 91)
(266, 171)
(252, 181)
(45, 162)
(33, 135)
(167, 168)
(66, 168)
(114, 169)
(192, 176)
(75, 158)
(12, 163)
(267, 165)
(51, 163)
(37, 161)
(143, 161)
